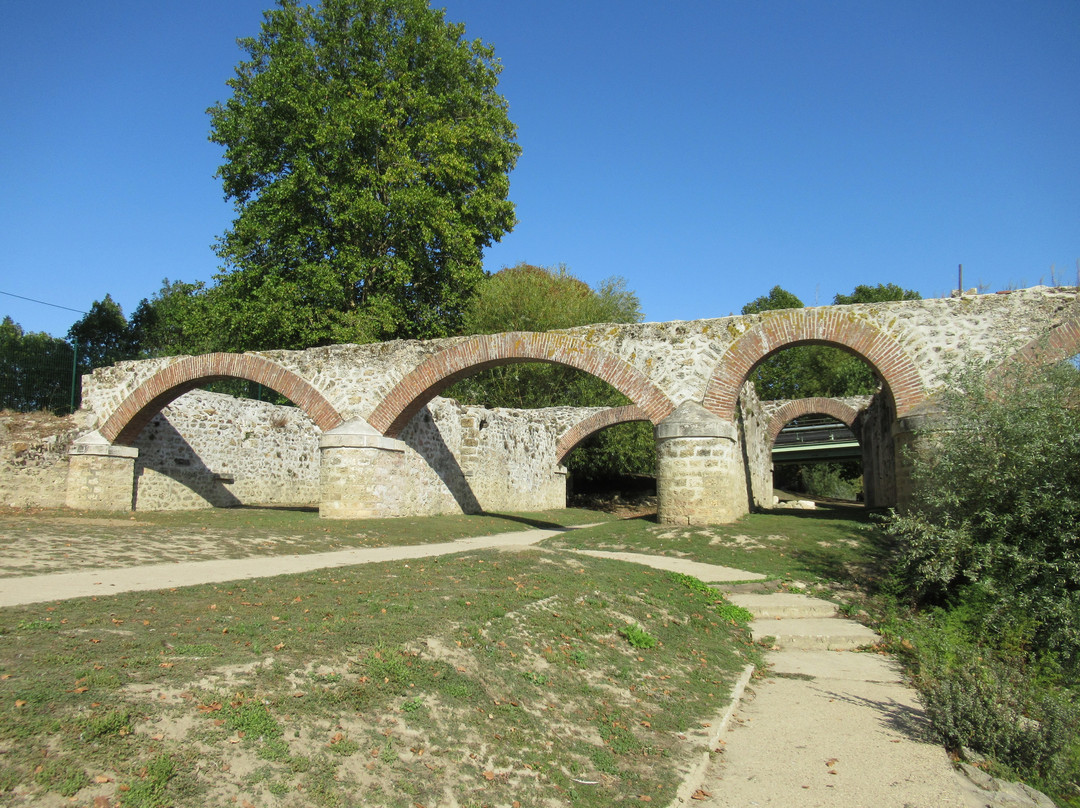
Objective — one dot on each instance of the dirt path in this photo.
(111, 580)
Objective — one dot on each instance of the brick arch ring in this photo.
(1061, 342)
(822, 326)
(809, 406)
(466, 358)
(169, 383)
(593, 424)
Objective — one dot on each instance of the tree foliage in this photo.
(35, 370)
(995, 517)
(103, 335)
(176, 320)
(882, 293)
(367, 152)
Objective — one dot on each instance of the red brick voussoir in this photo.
(809, 406)
(169, 383)
(594, 423)
(833, 325)
(438, 372)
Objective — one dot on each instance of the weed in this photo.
(388, 755)
(278, 788)
(413, 704)
(115, 722)
(253, 719)
(637, 636)
(535, 678)
(344, 747)
(151, 789)
(64, 776)
(30, 626)
(196, 650)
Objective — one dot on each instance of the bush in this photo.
(995, 516)
(990, 707)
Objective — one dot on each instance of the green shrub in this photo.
(995, 516)
(990, 707)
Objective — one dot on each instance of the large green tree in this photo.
(103, 335)
(367, 151)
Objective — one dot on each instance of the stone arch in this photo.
(479, 353)
(834, 325)
(169, 383)
(809, 406)
(594, 423)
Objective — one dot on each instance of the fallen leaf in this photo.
(489, 775)
(831, 762)
(102, 802)
(20, 703)
(102, 778)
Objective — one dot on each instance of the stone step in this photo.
(783, 604)
(810, 633)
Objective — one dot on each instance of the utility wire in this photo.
(43, 303)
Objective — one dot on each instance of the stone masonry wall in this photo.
(680, 358)
(757, 452)
(211, 450)
(34, 458)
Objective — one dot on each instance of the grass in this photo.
(499, 677)
(831, 544)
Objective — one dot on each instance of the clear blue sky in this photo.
(705, 150)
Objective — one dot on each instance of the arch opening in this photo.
(168, 384)
(781, 330)
(199, 448)
(818, 457)
(477, 354)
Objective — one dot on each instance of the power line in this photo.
(43, 303)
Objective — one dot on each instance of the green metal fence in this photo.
(39, 375)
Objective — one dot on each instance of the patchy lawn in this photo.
(529, 678)
(830, 544)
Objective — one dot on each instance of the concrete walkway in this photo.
(829, 727)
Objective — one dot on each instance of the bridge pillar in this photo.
(360, 473)
(700, 474)
(101, 475)
(913, 435)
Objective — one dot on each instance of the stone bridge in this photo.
(387, 446)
